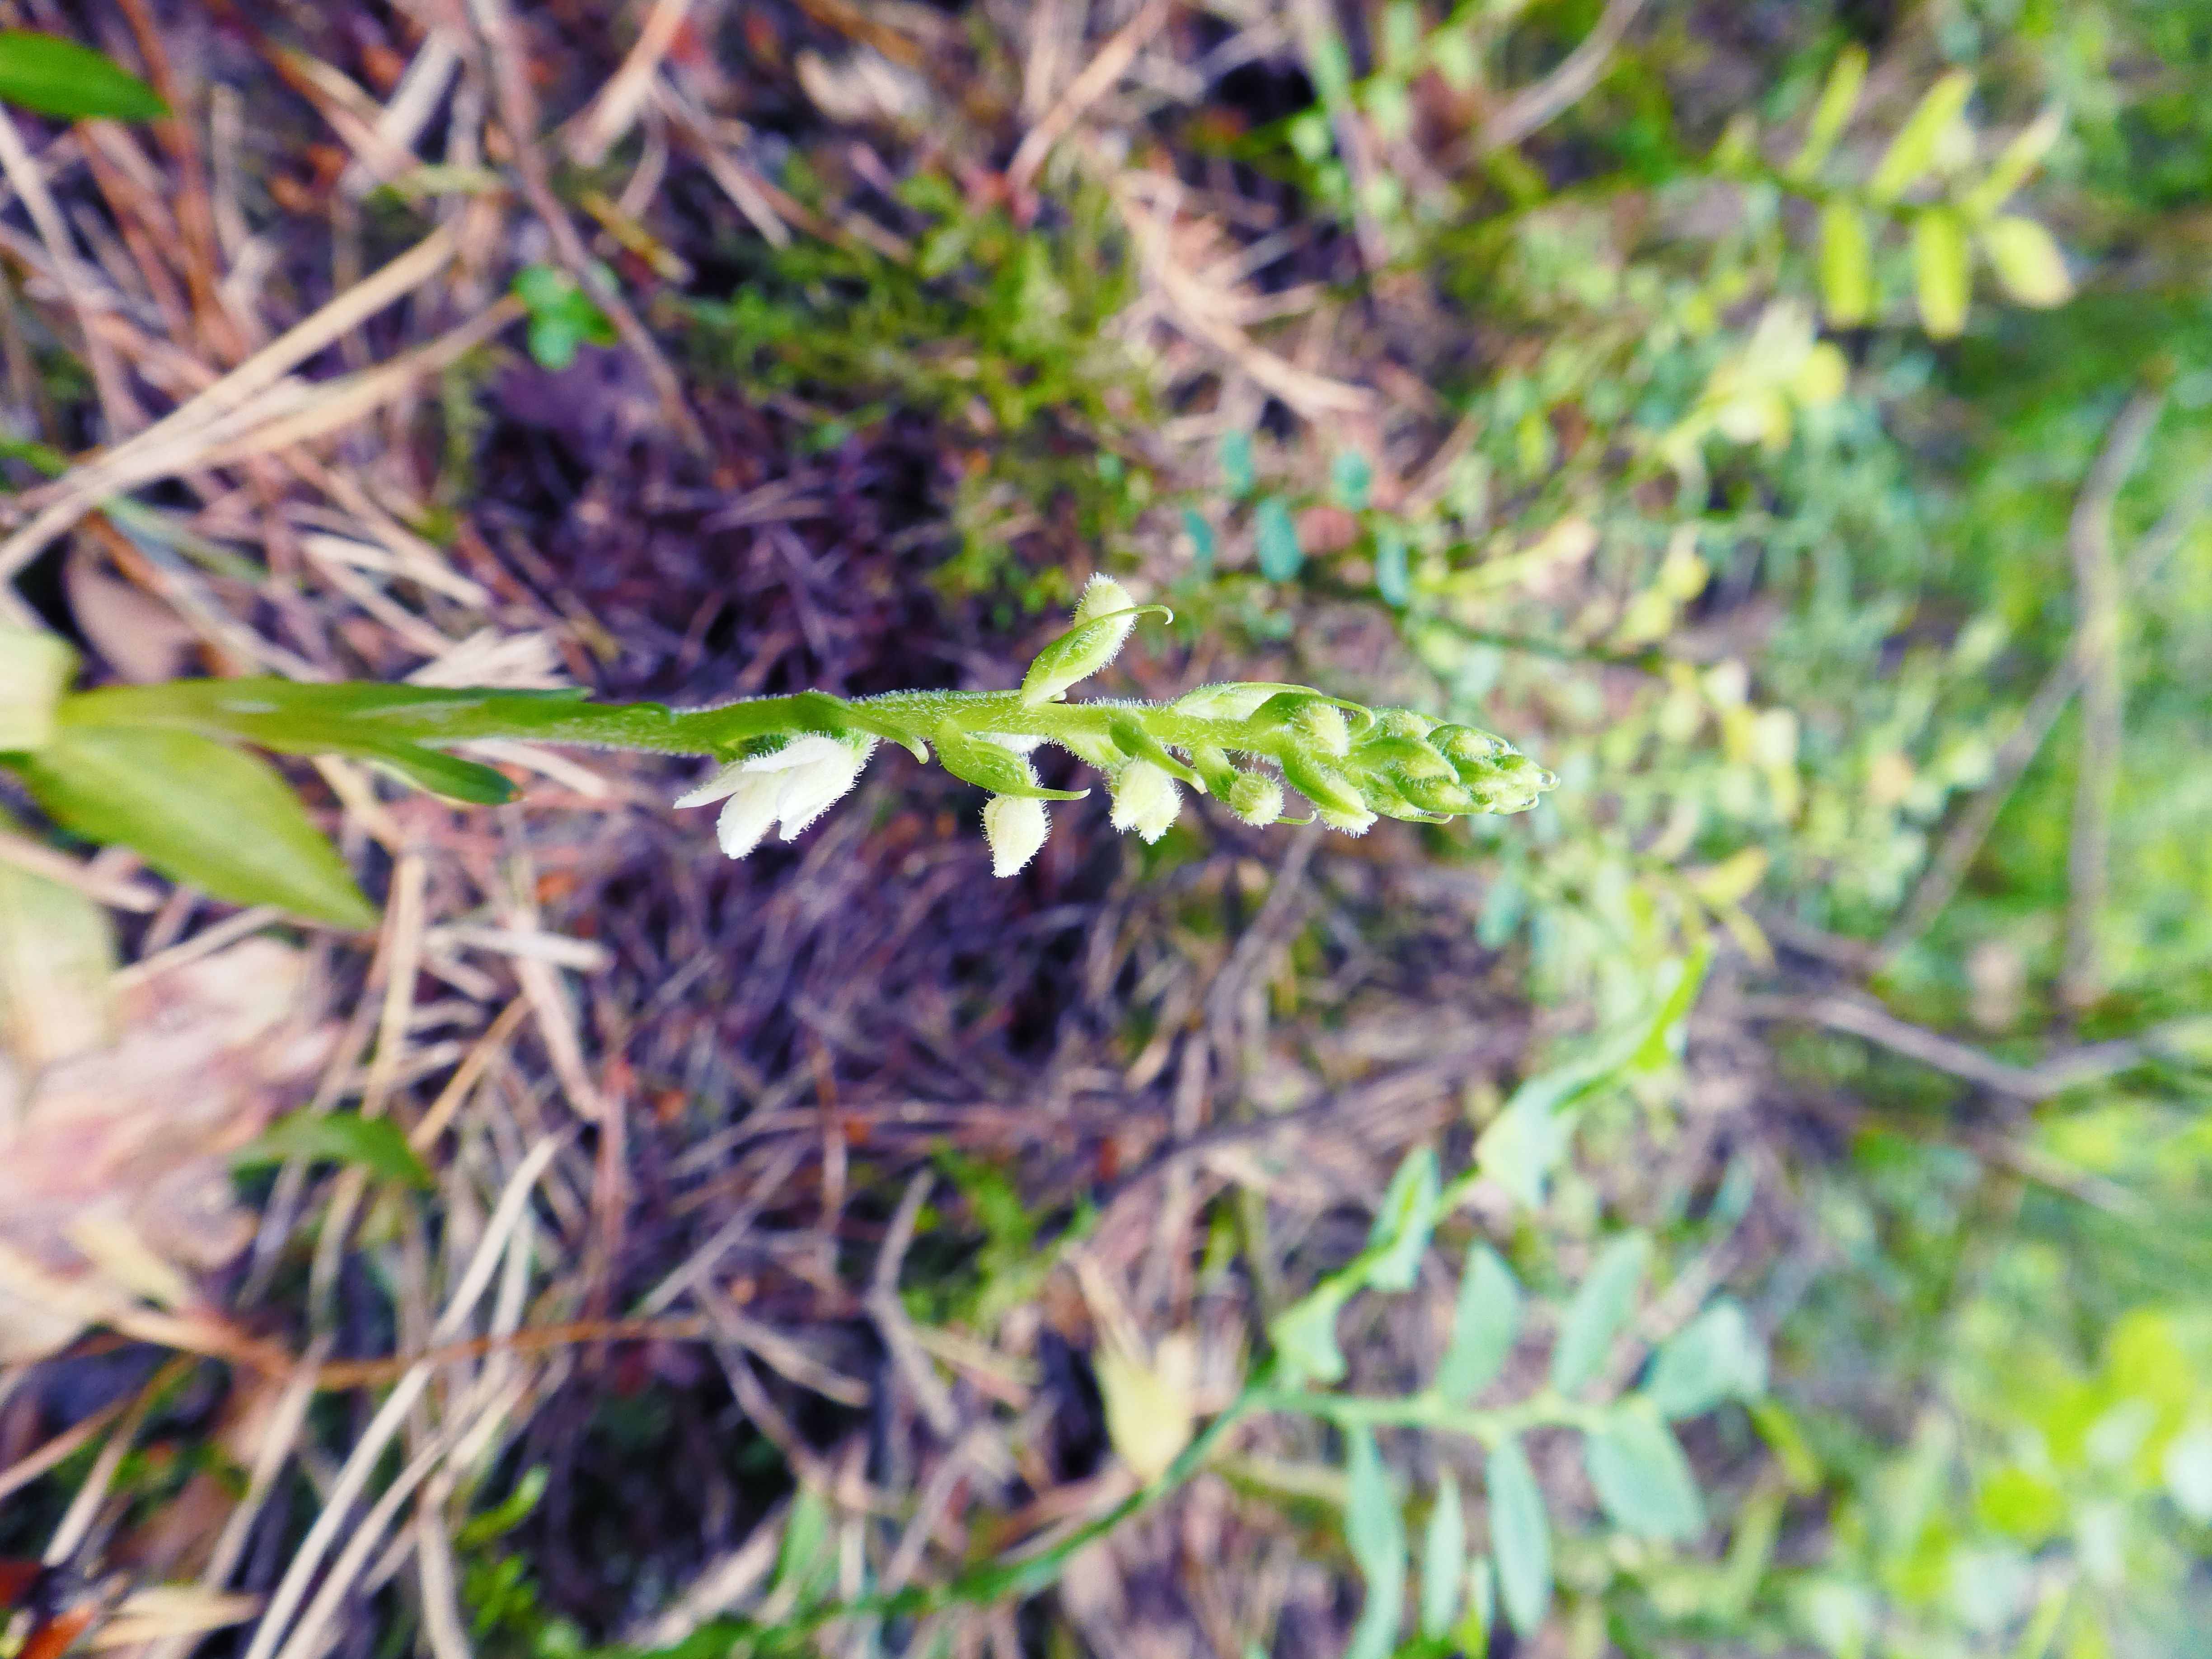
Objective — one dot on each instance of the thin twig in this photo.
(1097, 78)
(2070, 1069)
(1565, 86)
(2096, 641)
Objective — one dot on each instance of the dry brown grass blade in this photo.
(1095, 80)
(616, 105)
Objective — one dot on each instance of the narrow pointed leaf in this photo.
(1375, 1532)
(1484, 1327)
(1444, 1560)
(1408, 1215)
(1837, 100)
(1641, 1477)
(1600, 1309)
(1304, 1334)
(1714, 1357)
(199, 812)
(1939, 269)
(374, 1144)
(2027, 261)
(1913, 150)
(1520, 1538)
(448, 774)
(58, 77)
(1846, 264)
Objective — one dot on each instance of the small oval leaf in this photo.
(1714, 1357)
(1846, 264)
(1443, 1561)
(1484, 1327)
(2027, 261)
(1642, 1478)
(1375, 1532)
(1939, 263)
(1277, 537)
(1600, 1309)
(58, 77)
(199, 812)
(1400, 1236)
(1520, 1538)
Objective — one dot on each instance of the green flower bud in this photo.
(1335, 796)
(1256, 799)
(1103, 619)
(1465, 746)
(1438, 795)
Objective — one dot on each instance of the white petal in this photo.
(722, 782)
(810, 790)
(1015, 826)
(1145, 799)
(812, 750)
(745, 822)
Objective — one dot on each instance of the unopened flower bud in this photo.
(1322, 725)
(1334, 795)
(1464, 746)
(1015, 826)
(1103, 619)
(1145, 799)
(1438, 795)
(1255, 799)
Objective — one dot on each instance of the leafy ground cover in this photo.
(1756, 1201)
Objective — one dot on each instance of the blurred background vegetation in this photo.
(1787, 421)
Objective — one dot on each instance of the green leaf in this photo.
(199, 812)
(992, 766)
(562, 316)
(1400, 1236)
(1600, 1309)
(2027, 261)
(1846, 264)
(1520, 1537)
(1280, 555)
(507, 1515)
(1350, 479)
(1394, 579)
(1642, 1478)
(1837, 100)
(805, 1561)
(448, 774)
(1484, 1327)
(1237, 474)
(2011, 169)
(1444, 1560)
(1714, 1357)
(1375, 1532)
(1304, 1334)
(373, 1144)
(1939, 263)
(1913, 150)
(59, 77)
(1203, 545)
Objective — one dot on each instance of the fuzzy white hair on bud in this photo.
(1015, 826)
(1104, 617)
(1145, 799)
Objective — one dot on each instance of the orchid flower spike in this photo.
(788, 787)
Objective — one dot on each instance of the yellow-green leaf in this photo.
(199, 812)
(1846, 264)
(2011, 169)
(2028, 260)
(1913, 150)
(1837, 100)
(373, 1144)
(57, 959)
(1939, 263)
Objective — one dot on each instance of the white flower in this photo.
(792, 787)
(1015, 826)
(1145, 799)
